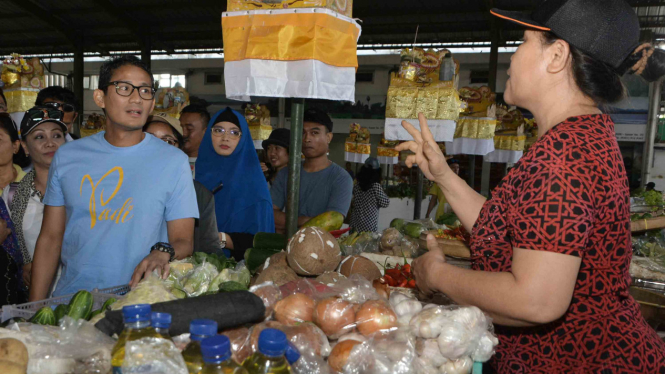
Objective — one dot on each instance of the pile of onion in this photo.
(374, 316)
(340, 354)
(335, 316)
(294, 309)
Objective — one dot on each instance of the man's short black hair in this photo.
(109, 67)
(58, 93)
(198, 109)
(318, 116)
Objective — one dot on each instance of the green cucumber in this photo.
(264, 240)
(61, 311)
(398, 224)
(107, 304)
(255, 257)
(44, 316)
(96, 312)
(231, 286)
(80, 306)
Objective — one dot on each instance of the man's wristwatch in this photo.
(222, 243)
(164, 247)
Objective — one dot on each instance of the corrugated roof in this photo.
(102, 26)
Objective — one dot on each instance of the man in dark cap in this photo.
(324, 186)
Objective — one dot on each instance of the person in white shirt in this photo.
(42, 133)
(194, 119)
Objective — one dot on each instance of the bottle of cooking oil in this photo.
(199, 329)
(161, 322)
(269, 359)
(137, 326)
(216, 351)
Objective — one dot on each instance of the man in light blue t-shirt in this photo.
(120, 203)
(324, 186)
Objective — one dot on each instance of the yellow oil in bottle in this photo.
(137, 326)
(216, 352)
(269, 359)
(199, 329)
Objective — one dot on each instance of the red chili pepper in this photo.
(403, 283)
(407, 268)
(411, 283)
(389, 280)
(392, 272)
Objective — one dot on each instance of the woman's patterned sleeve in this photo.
(382, 200)
(554, 208)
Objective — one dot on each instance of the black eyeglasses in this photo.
(127, 89)
(39, 114)
(67, 108)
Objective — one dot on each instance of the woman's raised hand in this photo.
(428, 155)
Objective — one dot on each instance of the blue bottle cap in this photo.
(202, 328)
(292, 353)
(216, 349)
(272, 342)
(160, 320)
(136, 313)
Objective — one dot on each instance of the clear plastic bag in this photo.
(240, 275)
(459, 331)
(154, 356)
(75, 346)
(150, 290)
(303, 336)
(241, 347)
(651, 250)
(355, 289)
(389, 353)
(198, 281)
(269, 293)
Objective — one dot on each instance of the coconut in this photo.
(313, 251)
(279, 275)
(330, 278)
(360, 265)
(278, 259)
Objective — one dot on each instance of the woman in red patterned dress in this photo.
(552, 246)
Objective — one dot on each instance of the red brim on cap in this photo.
(520, 18)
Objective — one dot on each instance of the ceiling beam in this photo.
(44, 16)
(124, 19)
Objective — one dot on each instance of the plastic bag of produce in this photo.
(241, 347)
(198, 280)
(459, 331)
(154, 356)
(389, 353)
(240, 275)
(651, 248)
(307, 361)
(355, 289)
(75, 346)
(269, 293)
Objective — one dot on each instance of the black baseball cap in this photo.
(607, 30)
(37, 115)
(280, 137)
(318, 116)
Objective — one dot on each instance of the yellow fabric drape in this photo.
(437, 101)
(475, 128)
(344, 7)
(260, 132)
(20, 100)
(509, 142)
(290, 37)
(387, 152)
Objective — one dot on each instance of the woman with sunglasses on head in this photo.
(41, 137)
(206, 237)
(551, 248)
(229, 167)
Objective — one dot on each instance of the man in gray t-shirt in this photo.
(324, 186)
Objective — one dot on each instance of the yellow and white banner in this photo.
(300, 53)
